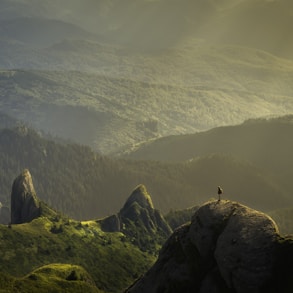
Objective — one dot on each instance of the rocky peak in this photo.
(139, 220)
(227, 247)
(24, 202)
(141, 197)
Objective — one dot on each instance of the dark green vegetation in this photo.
(51, 278)
(110, 258)
(85, 185)
(176, 218)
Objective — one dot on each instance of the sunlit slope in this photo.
(138, 97)
(112, 262)
(51, 278)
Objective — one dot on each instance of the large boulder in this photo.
(24, 202)
(227, 247)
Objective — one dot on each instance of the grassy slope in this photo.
(51, 278)
(112, 261)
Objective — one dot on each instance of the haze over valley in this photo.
(124, 85)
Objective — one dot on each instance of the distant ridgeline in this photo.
(84, 184)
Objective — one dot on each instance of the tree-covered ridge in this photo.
(83, 184)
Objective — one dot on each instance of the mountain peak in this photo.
(24, 202)
(141, 197)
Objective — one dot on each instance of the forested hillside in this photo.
(83, 184)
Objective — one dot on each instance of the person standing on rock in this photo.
(220, 191)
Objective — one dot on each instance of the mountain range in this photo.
(160, 24)
(111, 75)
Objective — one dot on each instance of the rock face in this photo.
(139, 209)
(139, 220)
(24, 202)
(227, 247)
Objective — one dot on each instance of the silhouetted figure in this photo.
(220, 191)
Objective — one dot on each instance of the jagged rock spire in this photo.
(24, 202)
(141, 196)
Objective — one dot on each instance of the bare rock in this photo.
(228, 247)
(24, 202)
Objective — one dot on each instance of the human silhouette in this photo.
(220, 191)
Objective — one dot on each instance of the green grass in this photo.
(52, 278)
(112, 261)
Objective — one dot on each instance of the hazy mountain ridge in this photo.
(192, 81)
(179, 93)
(161, 24)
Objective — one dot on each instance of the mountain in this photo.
(196, 65)
(25, 205)
(40, 32)
(107, 262)
(227, 247)
(153, 25)
(244, 141)
(85, 185)
(140, 221)
(177, 93)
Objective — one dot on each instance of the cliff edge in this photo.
(227, 247)
(24, 202)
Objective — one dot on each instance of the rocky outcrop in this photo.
(139, 220)
(139, 209)
(111, 224)
(24, 202)
(227, 247)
